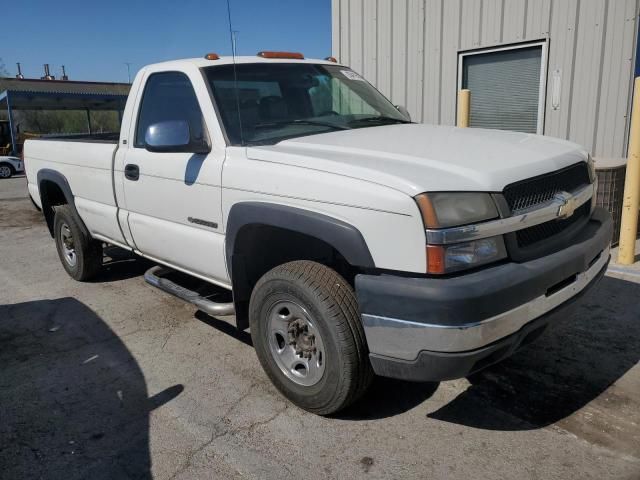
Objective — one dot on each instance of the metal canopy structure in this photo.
(33, 94)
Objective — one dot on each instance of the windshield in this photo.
(286, 100)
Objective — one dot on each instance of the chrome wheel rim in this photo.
(5, 172)
(68, 247)
(295, 343)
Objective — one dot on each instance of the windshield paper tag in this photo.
(351, 75)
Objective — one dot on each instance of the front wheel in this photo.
(308, 336)
(6, 170)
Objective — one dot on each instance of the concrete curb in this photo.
(630, 273)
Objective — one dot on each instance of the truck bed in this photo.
(104, 137)
(86, 163)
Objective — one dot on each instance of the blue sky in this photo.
(93, 42)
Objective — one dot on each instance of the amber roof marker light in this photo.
(331, 59)
(212, 56)
(289, 55)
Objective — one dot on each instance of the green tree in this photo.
(66, 121)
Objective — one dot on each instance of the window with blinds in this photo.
(506, 92)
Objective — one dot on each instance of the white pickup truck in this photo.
(352, 240)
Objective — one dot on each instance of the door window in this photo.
(170, 96)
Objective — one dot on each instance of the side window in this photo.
(169, 96)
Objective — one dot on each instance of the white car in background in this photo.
(9, 166)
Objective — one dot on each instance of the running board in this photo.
(153, 277)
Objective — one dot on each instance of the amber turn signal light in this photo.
(429, 217)
(291, 55)
(212, 56)
(435, 259)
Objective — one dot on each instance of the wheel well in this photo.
(51, 195)
(259, 248)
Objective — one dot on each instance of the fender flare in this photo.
(345, 238)
(60, 180)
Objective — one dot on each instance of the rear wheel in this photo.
(6, 170)
(308, 336)
(80, 255)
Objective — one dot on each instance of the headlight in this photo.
(453, 209)
(461, 256)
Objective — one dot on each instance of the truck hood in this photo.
(416, 158)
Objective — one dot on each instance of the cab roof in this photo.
(228, 60)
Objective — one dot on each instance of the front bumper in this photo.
(429, 329)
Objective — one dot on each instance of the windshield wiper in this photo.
(381, 119)
(302, 122)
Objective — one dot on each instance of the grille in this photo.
(544, 231)
(537, 190)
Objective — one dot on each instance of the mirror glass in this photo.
(169, 136)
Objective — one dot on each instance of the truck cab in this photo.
(351, 240)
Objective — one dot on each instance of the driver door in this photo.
(173, 199)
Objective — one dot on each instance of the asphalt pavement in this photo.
(113, 379)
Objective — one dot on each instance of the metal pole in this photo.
(631, 199)
(12, 133)
(128, 64)
(464, 107)
(89, 121)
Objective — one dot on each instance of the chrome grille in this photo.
(544, 231)
(535, 191)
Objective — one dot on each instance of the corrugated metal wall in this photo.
(409, 50)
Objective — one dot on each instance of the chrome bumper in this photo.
(401, 339)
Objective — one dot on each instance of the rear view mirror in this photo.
(403, 110)
(172, 136)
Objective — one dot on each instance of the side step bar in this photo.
(153, 277)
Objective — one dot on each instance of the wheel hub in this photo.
(302, 341)
(5, 172)
(295, 343)
(68, 247)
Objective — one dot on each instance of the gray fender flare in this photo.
(345, 238)
(60, 180)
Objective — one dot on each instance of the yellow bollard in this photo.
(631, 199)
(464, 107)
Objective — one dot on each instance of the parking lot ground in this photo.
(113, 379)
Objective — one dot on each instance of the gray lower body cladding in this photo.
(430, 329)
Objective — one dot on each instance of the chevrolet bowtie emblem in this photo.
(568, 204)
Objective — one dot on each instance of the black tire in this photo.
(12, 171)
(87, 251)
(330, 302)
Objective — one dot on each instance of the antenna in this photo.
(232, 37)
(235, 33)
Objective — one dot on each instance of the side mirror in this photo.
(172, 136)
(403, 110)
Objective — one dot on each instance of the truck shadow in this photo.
(74, 400)
(388, 397)
(119, 264)
(597, 342)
